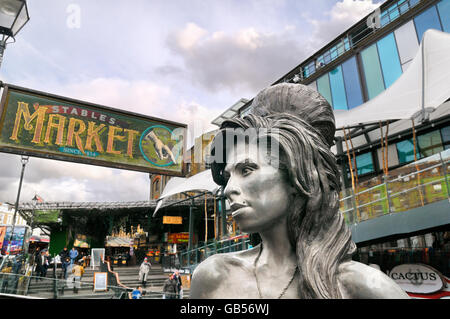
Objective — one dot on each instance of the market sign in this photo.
(178, 238)
(49, 126)
(417, 278)
(177, 220)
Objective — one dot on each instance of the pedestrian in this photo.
(73, 255)
(78, 272)
(64, 266)
(63, 254)
(40, 265)
(47, 262)
(179, 284)
(170, 288)
(144, 270)
(69, 274)
(136, 293)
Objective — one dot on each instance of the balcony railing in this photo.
(411, 186)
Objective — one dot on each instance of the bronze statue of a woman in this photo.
(290, 197)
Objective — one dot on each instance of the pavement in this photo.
(128, 276)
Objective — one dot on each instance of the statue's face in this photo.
(258, 193)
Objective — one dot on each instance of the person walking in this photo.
(63, 255)
(65, 263)
(40, 265)
(144, 270)
(78, 272)
(73, 254)
(179, 284)
(170, 288)
(47, 262)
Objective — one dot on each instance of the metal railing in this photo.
(411, 186)
(189, 259)
(19, 281)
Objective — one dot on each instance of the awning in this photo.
(118, 242)
(36, 238)
(199, 183)
(424, 85)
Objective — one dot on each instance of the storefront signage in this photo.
(177, 220)
(178, 238)
(417, 278)
(44, 125)
(17, 239)
(2, 235)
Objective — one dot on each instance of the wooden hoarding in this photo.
(49, 126)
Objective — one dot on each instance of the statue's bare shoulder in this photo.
(212, 277)
(359, 281)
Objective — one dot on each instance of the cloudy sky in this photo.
(181, 60)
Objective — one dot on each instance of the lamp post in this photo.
(34, 201)
(13, 16)
(24, 161)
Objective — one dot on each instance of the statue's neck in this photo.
(277, 248)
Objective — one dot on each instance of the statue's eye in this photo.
(246, 171)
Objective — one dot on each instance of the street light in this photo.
(24, 160)
(13, 16)
(34, 201)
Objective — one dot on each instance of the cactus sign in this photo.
(49, 126)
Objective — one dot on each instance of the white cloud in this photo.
(245, 60)
(340, 17)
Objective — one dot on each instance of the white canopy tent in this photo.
(422, 88)
(201, 182)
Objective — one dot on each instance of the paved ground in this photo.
(128, 276)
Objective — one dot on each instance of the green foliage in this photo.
(46, 216)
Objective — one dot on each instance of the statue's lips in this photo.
(237, 208)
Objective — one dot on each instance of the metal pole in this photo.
(2, 49)
(444, 170)
(24, 160)
(340, 153)
(223, 213)
(191, 230)
(387, 193)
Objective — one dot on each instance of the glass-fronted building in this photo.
(401, 200)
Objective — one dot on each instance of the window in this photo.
(407, 43)
(2, 217)
(364, 163)
(446, 137)
(405, 150)
(428, 19)
(430, 143)
(352, 83)
(309, 69)
(372, 71)
(444, 12)
(390, 62)
(338, 89)
(323, 86)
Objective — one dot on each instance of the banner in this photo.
(17, 239)
(44, 125)
(2, 236)
(178, 238)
